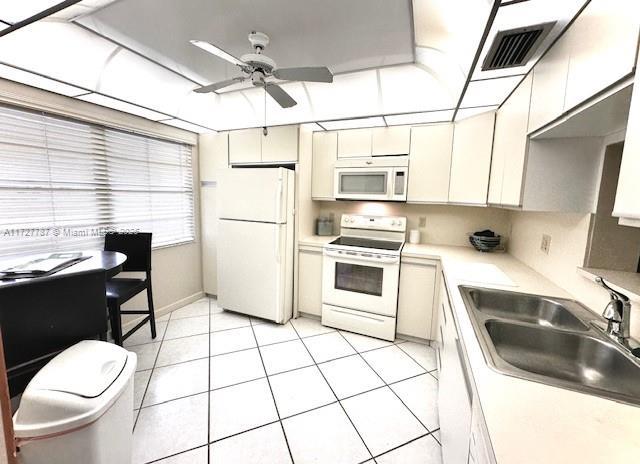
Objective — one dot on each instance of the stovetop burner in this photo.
(367, 243)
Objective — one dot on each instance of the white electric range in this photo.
(360, 275)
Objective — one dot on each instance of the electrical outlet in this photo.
(545, 243)
(422, 221)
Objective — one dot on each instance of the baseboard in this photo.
(166, 309)
(411, 338)
(309, 315)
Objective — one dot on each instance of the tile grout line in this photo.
(153, 368)
(208, 387)
(334, 394)
(273, 397)
(415, 360)
(388, 385)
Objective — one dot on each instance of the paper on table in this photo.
(43, 265)
(482, 273)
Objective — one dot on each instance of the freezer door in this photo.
(253, 194)
(251, 268)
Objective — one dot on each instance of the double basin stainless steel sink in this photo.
(552, 341)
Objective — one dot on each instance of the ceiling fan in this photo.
(258, 67)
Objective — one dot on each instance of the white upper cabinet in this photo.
(627, 205)
(471, 159)
(251, 146)
(354, 143)
(245, 146)
(549, 85)
(390, 140)
(280, 145)
(597, 50)
(603, 42)
(325, 149)
(430, 163)
(213, 150)
(510, 148)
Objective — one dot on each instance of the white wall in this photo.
(445, 225)
(177, 270)
(569, 234)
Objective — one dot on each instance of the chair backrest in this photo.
(137, 247)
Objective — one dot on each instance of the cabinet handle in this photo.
(465, 373)
(444, 314)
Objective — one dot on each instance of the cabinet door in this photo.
(280, 145)
(471, 159)
(324, 152)
(454, 395)
(510, 147)
(354, 143)
(430, 163)
(415, 300)
(549, 85)
(213, 151)
(390, 140)
(480, 450)
(245, 146)
(603, 42)
(209, 226)
(627, 203)
(310, 282)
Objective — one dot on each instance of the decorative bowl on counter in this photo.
(482, 243)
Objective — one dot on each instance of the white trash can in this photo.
(79, 408)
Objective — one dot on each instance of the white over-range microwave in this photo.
(381, 178)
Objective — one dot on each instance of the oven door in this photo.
(361, 281)
(363, 183)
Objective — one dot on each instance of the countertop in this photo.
(316, 240)
(530, 422)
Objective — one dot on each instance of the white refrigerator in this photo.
(255, 242)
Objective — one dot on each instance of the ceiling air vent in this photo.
(514, 47)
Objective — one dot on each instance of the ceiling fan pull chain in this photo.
(264, 128)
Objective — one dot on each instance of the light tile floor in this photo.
(218, 387)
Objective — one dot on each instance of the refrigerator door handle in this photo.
(279, 192)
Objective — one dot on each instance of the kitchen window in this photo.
(63, 183)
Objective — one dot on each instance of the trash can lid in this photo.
(86, 369)
(73, 389)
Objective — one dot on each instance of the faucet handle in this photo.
(615, 295)
(613, 311)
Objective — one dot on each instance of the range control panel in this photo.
(389, 223)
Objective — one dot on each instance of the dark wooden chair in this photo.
(137, 248)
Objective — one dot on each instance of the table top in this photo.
(109, 261)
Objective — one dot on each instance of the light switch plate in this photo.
(545, 243)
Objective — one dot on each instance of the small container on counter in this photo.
(324, 226)
(414, 236)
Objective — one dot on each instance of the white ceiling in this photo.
(342, 35)
(391, 57)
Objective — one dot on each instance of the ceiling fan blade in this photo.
(313, 74)
(280, 96)
(217, 51)
(218, 85)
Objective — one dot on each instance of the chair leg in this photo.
(103, 336)
(152, 314)
(116, 323)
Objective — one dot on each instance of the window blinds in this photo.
(64, 183)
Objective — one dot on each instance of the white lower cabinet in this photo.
(416, 297)
(310, 280)
(454, 393)
(480, 450)
(463, 432)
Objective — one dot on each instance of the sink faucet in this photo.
(617, 313)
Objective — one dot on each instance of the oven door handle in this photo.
(358, 257)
